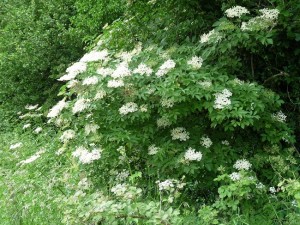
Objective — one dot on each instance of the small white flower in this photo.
(80, 105)
(260, 185)
(100, 95)
(14, 146)
(26, 126)
(55, 110)
(279, 116)
(90, 128)
(163, 122)
(115, 83)
(122, 176)
(143, 108)
(104, 71)
(205, 84)
(152, 150)
(242, 164)
(180, 134)
(211, 35)
(206, 142)
(67, 135)
(129, 107)
(236, 11)
(167, 102)
(192, 155)
(143, 69)
(271, 14)
(195, 62)
(60, 151)
(32, 158)
(119, 189)
(31, 107)
(225, 142)
(38, 130)
(222, 99)
(272, 190)
(86, 157)
(72, 83)
(94, 56)
(235, 176)
(90, 80)
(165, 68)
(121, 71)
(73, 71)
(125, 56)
(165, 185)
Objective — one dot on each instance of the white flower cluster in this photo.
(222, 99)
(267, 19)
(90, 80)
(32, 158)
(195, 62)
(125, 56)
(86, 157)
(192, 155)
(72, 83)
(180, 133)
(211, 35)
(165, 185)
(143, 69)
(115, 83)
(237, 81)
(100, 95)
(14, 146)
(167, 102)
(104, 71)
(163, 122)
(83, 184)
(119, 189)
(152, 150)
(235, 176)
(73, 71)
(90, 128)
(169, 184)
(206, 142)
(80, 105)
(121, 71)
(271, 14)
(165, 67)
(260, 185)
(125, 191)
(129, 107)
(31, 107)
(38, 130)
(272, 190)
(144, 108)
(279, 116)
(26, 126)
(94, 56)
(225, 142)
(205, 84)
(236, 11)
(242, 164)
(67, 135)
(60, 151)
(122, 176)
(55, 110)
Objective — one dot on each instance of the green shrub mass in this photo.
(176, 112)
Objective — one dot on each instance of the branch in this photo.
(276, 75)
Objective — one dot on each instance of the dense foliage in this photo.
(181, 112)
